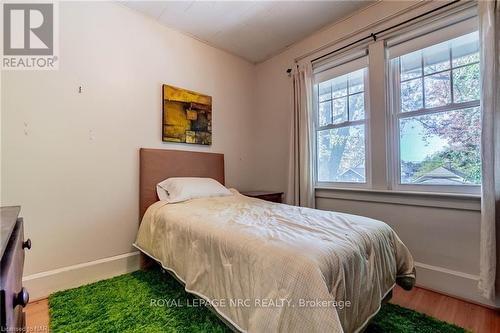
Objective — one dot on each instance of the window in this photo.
(402, 112)
(437, 118)
(340, 103)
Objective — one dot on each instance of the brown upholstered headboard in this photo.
(159, 164)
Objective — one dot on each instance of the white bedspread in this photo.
(276, 268)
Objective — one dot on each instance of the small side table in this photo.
(265, 195)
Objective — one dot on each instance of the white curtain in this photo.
(300, 181)
(489, 30)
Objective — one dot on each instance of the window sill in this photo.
(425, 199)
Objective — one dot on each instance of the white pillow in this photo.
(179, 189)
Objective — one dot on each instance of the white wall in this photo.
(75, 170)
(444, 240)
(274, 100)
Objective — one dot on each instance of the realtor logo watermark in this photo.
(30, 36)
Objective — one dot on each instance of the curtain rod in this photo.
(374, 35)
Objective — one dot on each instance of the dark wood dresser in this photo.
(265, 195)
(13, 297)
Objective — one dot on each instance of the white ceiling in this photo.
(254, 30)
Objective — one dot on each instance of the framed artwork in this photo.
(187, 116)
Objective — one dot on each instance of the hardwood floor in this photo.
(37, 316)
(472, 317)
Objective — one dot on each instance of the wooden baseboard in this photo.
(41, 285)
(459, 285)
(487, 306)
(39, 299)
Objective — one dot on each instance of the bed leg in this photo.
(407, 282)
(145, 262)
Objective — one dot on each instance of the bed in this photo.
(263, 266)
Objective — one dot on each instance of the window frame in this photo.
(366, 122)
(394, 96)
(382, 169)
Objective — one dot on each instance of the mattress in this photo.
(268, 267)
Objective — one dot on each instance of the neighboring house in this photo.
(438, 176)
(441, 176)
(356, 174)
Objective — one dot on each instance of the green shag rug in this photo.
(127, 304)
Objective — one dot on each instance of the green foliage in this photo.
(123, 304)
(467, 162)
(462, 131)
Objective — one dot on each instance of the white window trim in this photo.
(344, 66)
(421, 38)
(340, 70)
(395, 116)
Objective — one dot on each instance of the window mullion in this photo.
(377, 117)
(451, 78)
(347, 99)
(342, 124)
(331, 103)
(442, 71)
(422, 78)
(439, 109)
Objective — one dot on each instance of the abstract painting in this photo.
(187, 116)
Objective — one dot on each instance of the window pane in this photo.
(339, 110)
(411, 95)
(341, 154)
(357, 106)
(325, 91)
(466, 83)
(437, 89)
(441, 148)
(465, 49)
(339, 86)
(325, 113)
(356, 81)
(411, 65)
(436, 58)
